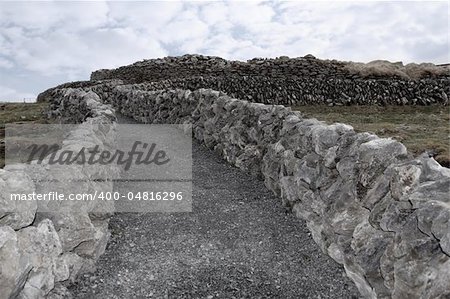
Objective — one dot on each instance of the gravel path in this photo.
(237, 243)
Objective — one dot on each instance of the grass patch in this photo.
(419, 128)
(383, 68)
(19, 113)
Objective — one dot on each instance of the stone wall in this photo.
(292, 91)
(42, 252)
(369, 204)
(282, 67)
(286, 81)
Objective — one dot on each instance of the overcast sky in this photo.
(43, 44)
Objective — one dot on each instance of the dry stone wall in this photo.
(43, 252)
(292, 91)
(284, 81)
(369, 204)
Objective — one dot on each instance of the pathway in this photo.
(237, 243)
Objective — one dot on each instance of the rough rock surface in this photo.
(281, 81)
(24, 213)
(367, 202)
(285, 81)
(41, 252)
(238, 241)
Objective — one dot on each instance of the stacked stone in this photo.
(283, 81)
(367, 203)
(49, 94)
(293, 92)
(199, 65)
(42, 251)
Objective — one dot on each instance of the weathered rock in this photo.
(13, 213)
(296, 81)
(59, 292)
(36, 260)
(73, 228)
(366, 203)
(14, 270)
(41, 247)
(375, 156)
(370, 206)
(76, 265)
(94, 247)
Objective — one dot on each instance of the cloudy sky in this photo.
(46, 43)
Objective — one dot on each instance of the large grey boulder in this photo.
(41, 247)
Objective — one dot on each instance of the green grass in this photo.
(19, 113)
(419, 128)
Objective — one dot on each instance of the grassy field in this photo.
(420, 129)
(18, 113)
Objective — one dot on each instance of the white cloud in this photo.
(151, 16)
(186, 27)
(67, 40)
(61, 51)
(214, 13)
(250, 14)
(45, 15)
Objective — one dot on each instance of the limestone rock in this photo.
(381, 214)
(41, 247)
(14, 269)
(95, 246)
(17, 214)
